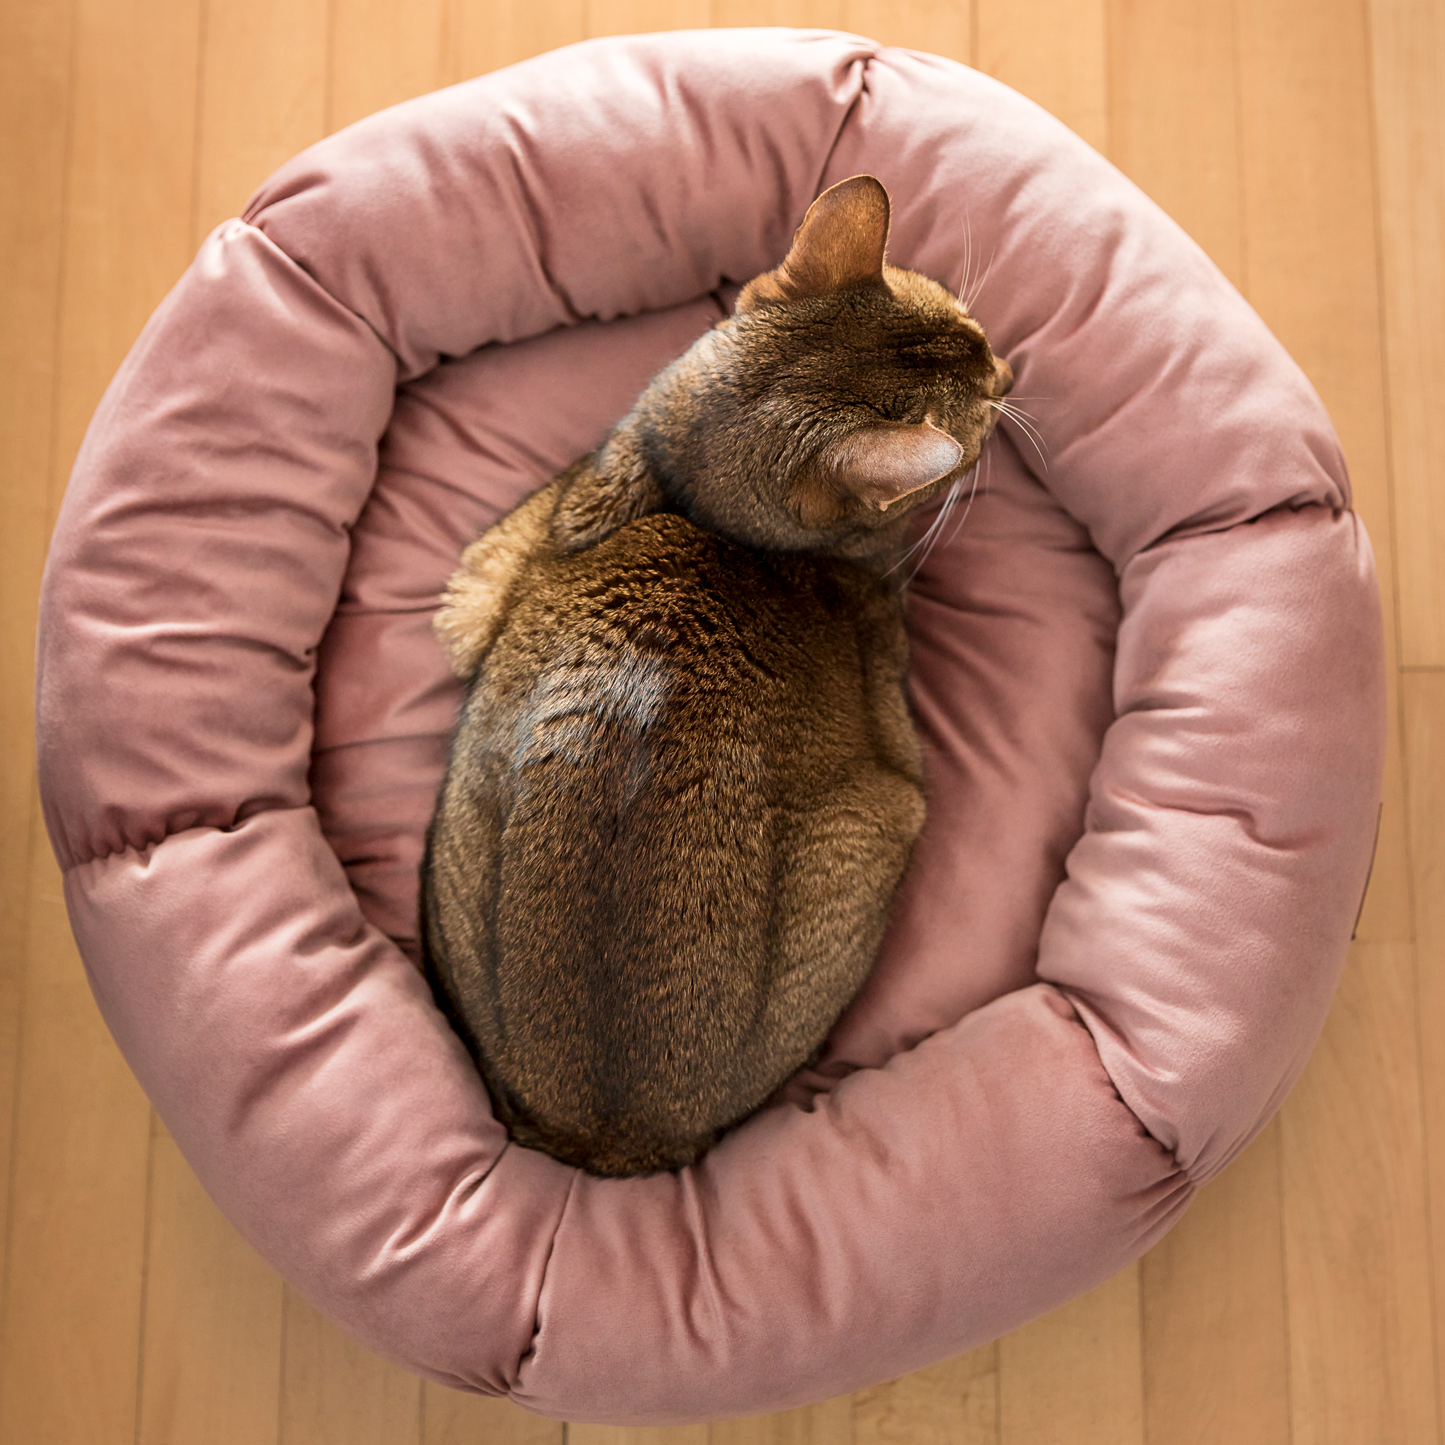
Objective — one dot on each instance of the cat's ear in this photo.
(883, 465)
(603, 492)
(841, 243)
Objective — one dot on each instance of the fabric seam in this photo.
(1083, 1023)
(531, 1350)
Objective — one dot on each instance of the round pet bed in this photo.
(1147, 671)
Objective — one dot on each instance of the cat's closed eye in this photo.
(906, 408)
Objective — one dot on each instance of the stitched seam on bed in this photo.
(143, 850)
(325, 290)
(1184, 533)
(531, 1350)
(1067, 995)
(867, 62)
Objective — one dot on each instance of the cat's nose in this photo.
(1003, 377)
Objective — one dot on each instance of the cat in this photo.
(685, 783)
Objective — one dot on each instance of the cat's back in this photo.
(679, 800)
(669, 627)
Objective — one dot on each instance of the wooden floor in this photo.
(1302, 142)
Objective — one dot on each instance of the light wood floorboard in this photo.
(1355, 1215)
(238, 143)
(335, 1392)
(1055, 52)
(211, 1327)
(1407, 48)
(952, 1403)
(941, 27)
(1215, 1315)
(1425, 772)
(35, 56)
(1214, 1319)
(451, 1418)
(480, 38)
(639, 1435)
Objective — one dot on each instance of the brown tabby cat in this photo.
(685, 785)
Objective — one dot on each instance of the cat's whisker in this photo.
(985, 463)
(1035, 441)
(939, 522)
(973, 492)
(1018, 414)
(932, 538)
(1035, 437)
(950, 497)
(1012, 408)
(1026, 423)
(929, 537)
(932, 528)
(983, 281)
(911, 550)
(968, 259)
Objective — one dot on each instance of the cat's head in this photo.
(842, 394)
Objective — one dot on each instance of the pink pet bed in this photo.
(1148, 676)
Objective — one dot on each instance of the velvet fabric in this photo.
(1147, 668)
